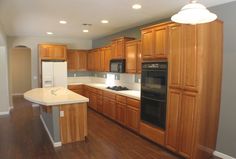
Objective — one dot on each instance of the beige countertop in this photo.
(54, 96)
(128, 93)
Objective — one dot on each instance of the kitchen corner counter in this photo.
(128, 93)
(54, 96)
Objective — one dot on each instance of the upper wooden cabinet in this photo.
(183, 57)
(118, 47)
(52, 52)
(77, 60)
(107, 58)
(154, 41)
(133, 57)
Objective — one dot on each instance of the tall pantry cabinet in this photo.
(194, 86)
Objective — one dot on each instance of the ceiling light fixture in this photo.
(85, 31)
(104, 21)
(62, 22)
(49, 33)
(136, 6)
(194, 13)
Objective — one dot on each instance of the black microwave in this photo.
(117, 65)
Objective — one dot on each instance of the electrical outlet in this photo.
(74, 74)
(61, 113)
(139, 80)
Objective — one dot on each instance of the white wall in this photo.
(32, 42)
(4, 91)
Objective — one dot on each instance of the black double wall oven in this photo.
(154, 93)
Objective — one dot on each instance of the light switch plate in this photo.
(61, 113)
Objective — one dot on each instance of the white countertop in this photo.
(54, 96)
(128, 93)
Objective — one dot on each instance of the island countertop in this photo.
(54, 96)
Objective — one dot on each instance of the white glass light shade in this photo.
(194, 13)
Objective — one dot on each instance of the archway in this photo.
(20, 70)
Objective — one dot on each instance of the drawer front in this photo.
(120, 99)
(91, 89)
(133, 102)
(75, 87)
(109, 95)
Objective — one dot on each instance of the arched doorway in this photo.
(20, 70)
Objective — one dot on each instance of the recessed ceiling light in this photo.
(136, 6)
(104, 21)
(49, 33)
(62, 22)
(85, 31)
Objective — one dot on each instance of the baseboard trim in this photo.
(55, 144)
(4, 113)
(221, 155)
(35, 105)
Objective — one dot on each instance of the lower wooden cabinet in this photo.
(181, 119)
(79, 89)
(133, 114)
(93, 100)
(99, 103)
(109, 107)
(73, 125)
(120, 113)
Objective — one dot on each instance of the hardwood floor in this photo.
(22, 136)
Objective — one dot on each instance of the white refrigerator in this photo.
(54, 74)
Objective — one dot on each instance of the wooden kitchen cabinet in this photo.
(109, 107)
(139, 58)
(79, 89)
(194, 73)
(132, 56)
(118, 47)
(107, 58)
(183, 60)
(91, 61)
(133, 114)
(154, 41)
(77, 60)
(120, 109)
(52, 52)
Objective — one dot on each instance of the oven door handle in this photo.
(154, 99)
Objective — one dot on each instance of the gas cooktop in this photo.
(118, 88)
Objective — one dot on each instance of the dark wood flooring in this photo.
(22, 136)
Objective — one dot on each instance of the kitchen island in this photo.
(63, 113)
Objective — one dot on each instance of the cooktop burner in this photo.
(118, 88)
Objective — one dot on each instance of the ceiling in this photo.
(36, 17)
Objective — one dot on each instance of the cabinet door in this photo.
(59, 52)
(99, 103)
(175, 56)
(120, 113)
(44, 52)
(107, 55)
(190, 58)
(73, 125)
(160, 42)
(93, 101)
(113, 49)
(120, 51)
(147, 44)
(173, 109)
(132, 117)
(72, 60)
(187, 123)
(109, 108)
(139, 58)
(131, 57)
(90, 61)
(102, 59)
(82, 60)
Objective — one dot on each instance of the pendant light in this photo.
(194, 13)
